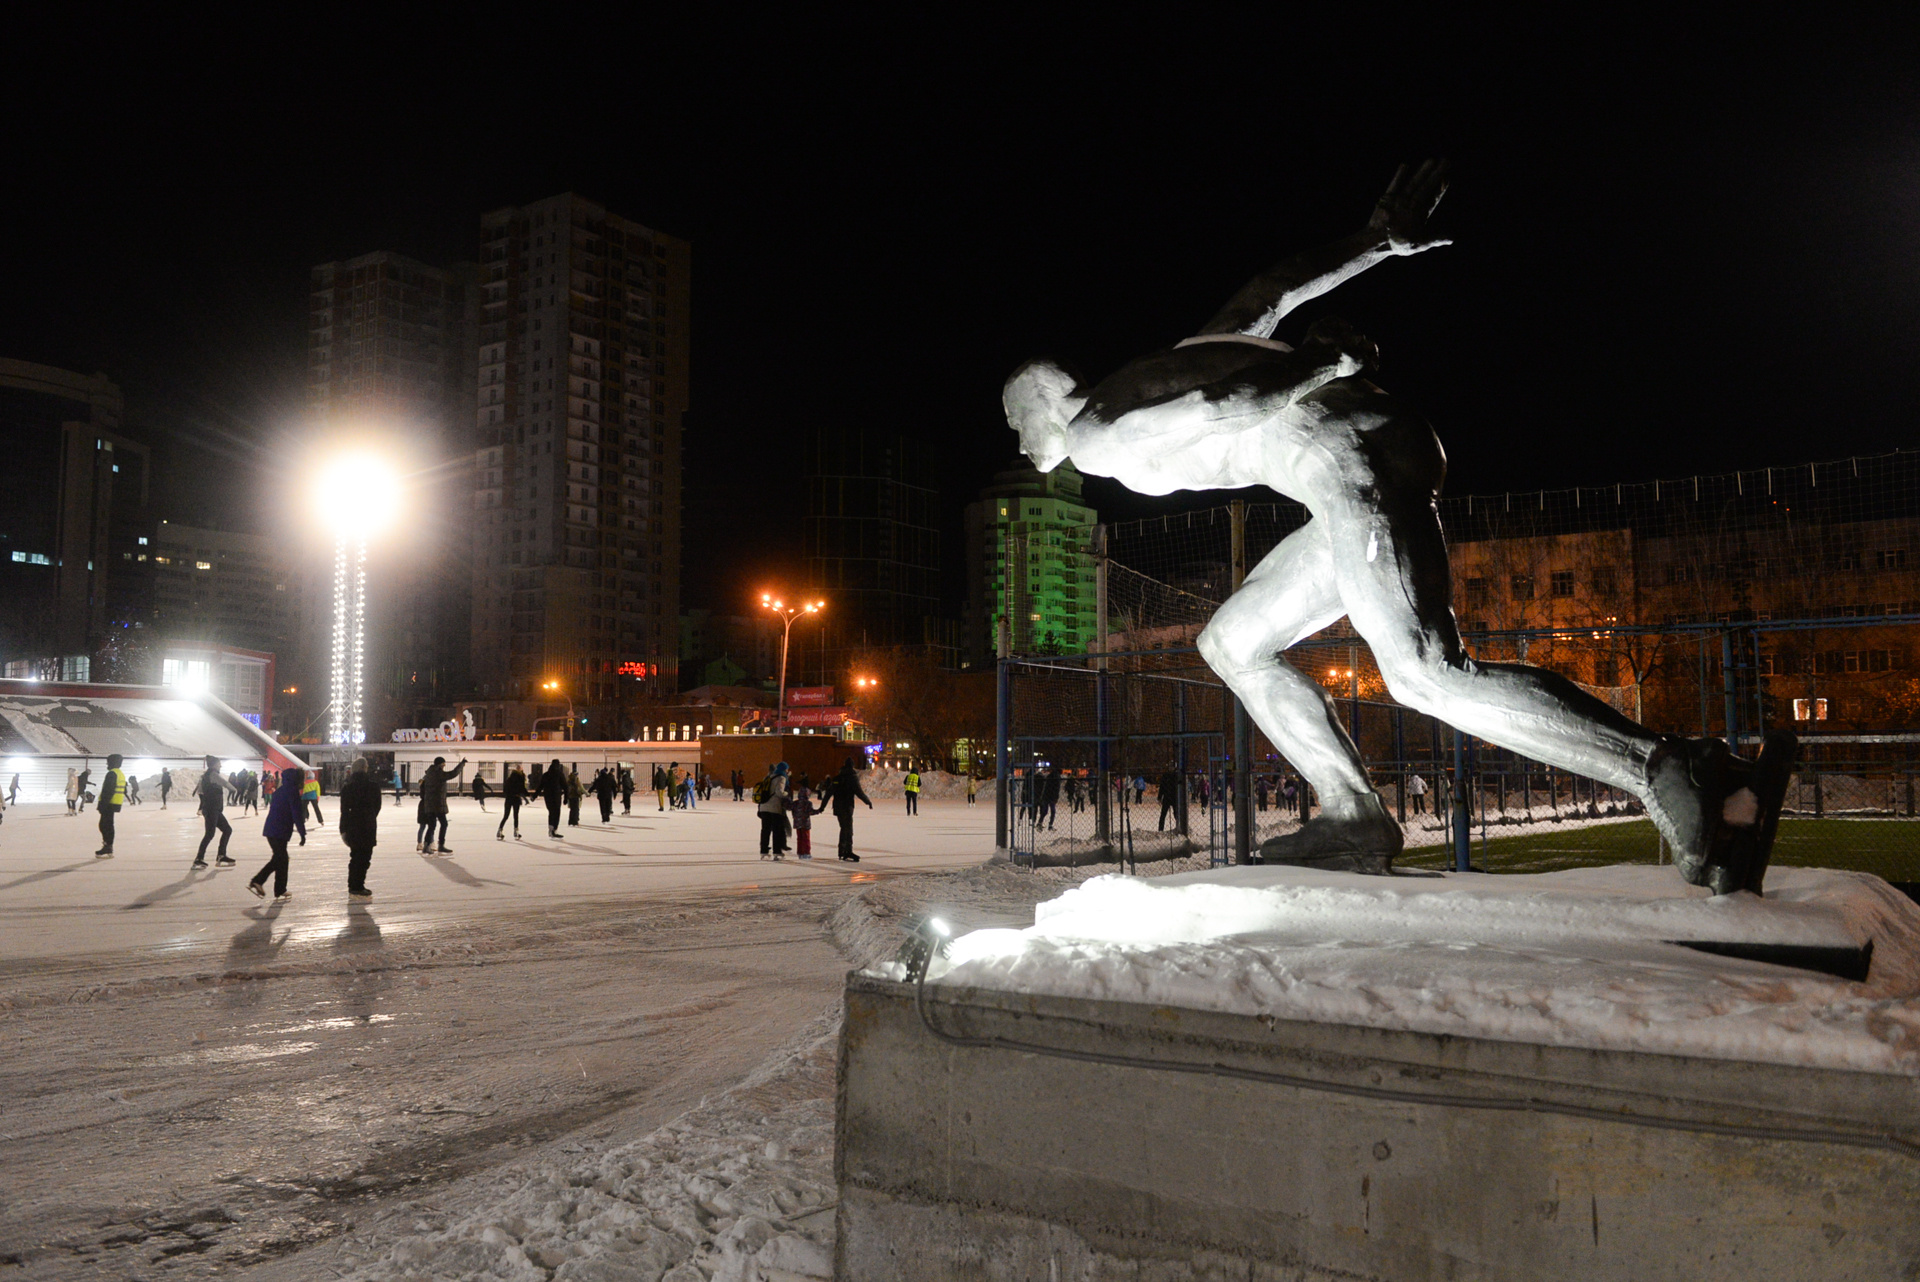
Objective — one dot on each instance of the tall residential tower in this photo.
(582, 393)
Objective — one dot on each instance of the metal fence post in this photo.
(1003, 750)
(1103, 809)
(1462, 807)
(1727, 690)
(1242, 723)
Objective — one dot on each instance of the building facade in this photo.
(579, 402)
(391, 352)
(75, 519)
(1029, 563)
(872, 544)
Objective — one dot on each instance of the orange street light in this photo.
(788, 613)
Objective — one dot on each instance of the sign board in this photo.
(816, 716)
(449, 731)
(809, 696)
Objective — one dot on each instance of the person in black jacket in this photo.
(603, 787)
(213, 800)
(841, 792)
(512, 798)
(359, 825)
(433, 803)
(1170, 782)
(553, 787)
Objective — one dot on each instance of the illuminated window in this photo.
(203, 565)
(1802, 708)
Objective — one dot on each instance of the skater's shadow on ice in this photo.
(159, 893)
(257, 942)
(361, 932)
(453, 872)
(50, 872)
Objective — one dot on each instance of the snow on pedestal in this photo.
(1575, 958)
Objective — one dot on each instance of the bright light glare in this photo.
(230, 766)
(358, 494)
(939, 927)
(142, 767)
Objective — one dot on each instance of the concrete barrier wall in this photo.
(991, 1164)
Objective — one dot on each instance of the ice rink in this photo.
(58, 901)
(194, 1083)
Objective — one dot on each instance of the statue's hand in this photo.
(1403, 212)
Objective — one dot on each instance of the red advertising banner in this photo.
(816, 716)
(809, 696)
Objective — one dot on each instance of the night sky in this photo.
(1680, 247)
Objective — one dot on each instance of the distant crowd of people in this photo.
(291, 797)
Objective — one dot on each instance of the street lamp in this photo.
(357, 495)
(556, 688)
(789, 613)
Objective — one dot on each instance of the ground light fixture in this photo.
(927, 937)
(357, 495)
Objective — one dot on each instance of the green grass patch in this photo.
(1888, 848)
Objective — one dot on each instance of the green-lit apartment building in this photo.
(1039, 522)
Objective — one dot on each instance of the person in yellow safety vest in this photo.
(912, 785)
(113, 795)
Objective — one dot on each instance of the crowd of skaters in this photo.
(291, 797)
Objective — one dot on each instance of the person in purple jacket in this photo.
(285, 813)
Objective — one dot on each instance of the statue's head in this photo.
(1041, 399)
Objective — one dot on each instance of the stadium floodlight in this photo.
(357, 496)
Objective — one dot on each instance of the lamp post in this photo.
(788, 613)
(556, 688)
(356, 496)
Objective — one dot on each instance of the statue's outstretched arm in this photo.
(1397, 227)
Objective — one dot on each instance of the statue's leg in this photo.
(1289, 596)
(1390, 562)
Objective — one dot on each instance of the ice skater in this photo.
(511, 798)
(113, 795)
(553, 787)
(166, 785)
(213, 800)
(1230, 407)
(772, 810)
(433, 805)
(359, 825)
(285, 813)
(840, 792)
(310, 797)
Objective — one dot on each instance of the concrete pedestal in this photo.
(994, 1163)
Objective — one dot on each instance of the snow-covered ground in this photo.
(1580, 958)
(57, 900)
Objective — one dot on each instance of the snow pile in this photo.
(1572, 958)
(737, 1190)
(886, 783)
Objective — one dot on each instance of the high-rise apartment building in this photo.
(391, 351)
(1027, 563)
(872, 543)
(582, 391)
(220, 587)
(74, 520)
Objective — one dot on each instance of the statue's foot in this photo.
(1750, 816)
(1686, 792)
(1364, 839)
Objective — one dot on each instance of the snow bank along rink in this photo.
(1573, 958)
(57, 900)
